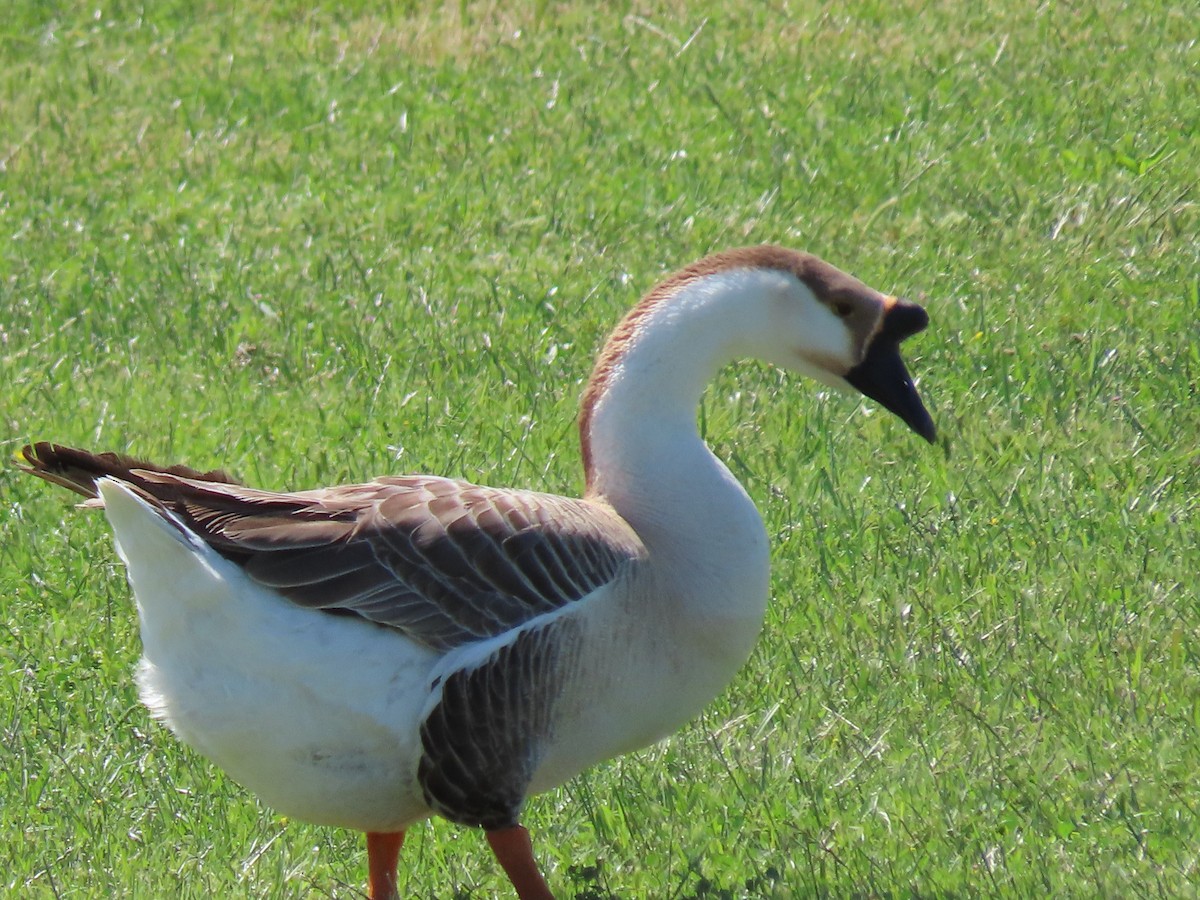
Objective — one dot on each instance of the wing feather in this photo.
(444, 561)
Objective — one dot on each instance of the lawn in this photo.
(317, 243)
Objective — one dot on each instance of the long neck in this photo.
(644, 452)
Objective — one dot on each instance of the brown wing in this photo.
(78, 470)
(444, 561)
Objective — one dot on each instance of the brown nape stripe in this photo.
(827, 283)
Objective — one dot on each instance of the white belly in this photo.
(315, 713)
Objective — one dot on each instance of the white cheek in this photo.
(817, 372)
(828, 338)
(822, 346)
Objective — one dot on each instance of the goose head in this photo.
(787, 308)
(805, 315)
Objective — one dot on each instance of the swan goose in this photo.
(492, 643)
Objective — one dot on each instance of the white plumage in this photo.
(367, 655)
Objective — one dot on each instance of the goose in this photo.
(370, 655)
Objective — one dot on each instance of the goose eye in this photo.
(842, 309)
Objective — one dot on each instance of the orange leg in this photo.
(515, 852)
(383, 850)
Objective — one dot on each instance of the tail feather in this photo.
(79, 470)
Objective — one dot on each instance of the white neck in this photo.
(648, 461)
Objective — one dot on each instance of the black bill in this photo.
(882, 375)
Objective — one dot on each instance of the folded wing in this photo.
(444, 561)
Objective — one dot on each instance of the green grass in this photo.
(318, 245)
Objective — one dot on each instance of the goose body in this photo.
(368, 655)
